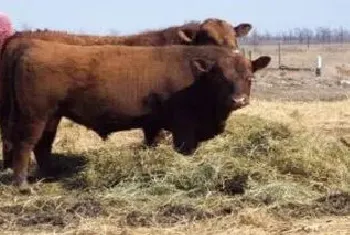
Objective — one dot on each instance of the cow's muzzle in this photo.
(239, 102)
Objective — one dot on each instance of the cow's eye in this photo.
(210, 40)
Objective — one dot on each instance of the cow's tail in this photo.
(7, 65)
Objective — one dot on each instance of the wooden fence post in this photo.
(279, 55)
(243, 51)
(250, 54)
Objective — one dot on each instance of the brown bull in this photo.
(110, 88)
(209, 32)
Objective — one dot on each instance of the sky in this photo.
(132, 16)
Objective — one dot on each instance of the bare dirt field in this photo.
(281, 167)
(334, 84)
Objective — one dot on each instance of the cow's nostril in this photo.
(240, 101)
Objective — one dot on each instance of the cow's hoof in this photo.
(5, 167)
(26, 190)
(7, 163)
(23, 187)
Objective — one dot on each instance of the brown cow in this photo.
(211, 32)
(108, 89)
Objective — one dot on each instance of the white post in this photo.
(319, 62)
(319, 66)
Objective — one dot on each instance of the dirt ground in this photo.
(329, 225)
(274, 84)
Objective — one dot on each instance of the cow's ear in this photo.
(260, 63)
(242, 29)
(200, 66)
(186, 35)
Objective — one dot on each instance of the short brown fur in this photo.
(210, 32)
(101, 87)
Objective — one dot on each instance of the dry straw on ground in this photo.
(276, 164)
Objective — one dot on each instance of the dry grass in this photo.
(277, 162)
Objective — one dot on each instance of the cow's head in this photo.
(241, 77)
(230, 77)
(221, 86)
(215, 32)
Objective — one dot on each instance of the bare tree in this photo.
(307, 35)
(299, 35)
(25, 26)
(341, 35)
(255, 37)
(114, 32)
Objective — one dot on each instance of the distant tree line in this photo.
(300, 36)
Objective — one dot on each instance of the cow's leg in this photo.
(151, 134)
(152, 127)
(184, 138)
(26, 133)
(5, 134)
(6, 145)
(43, 148)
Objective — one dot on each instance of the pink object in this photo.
(5, 27)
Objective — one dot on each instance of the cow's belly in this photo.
(106, 122)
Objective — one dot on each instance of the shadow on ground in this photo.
(65, 166)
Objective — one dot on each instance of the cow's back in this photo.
(167, 36)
